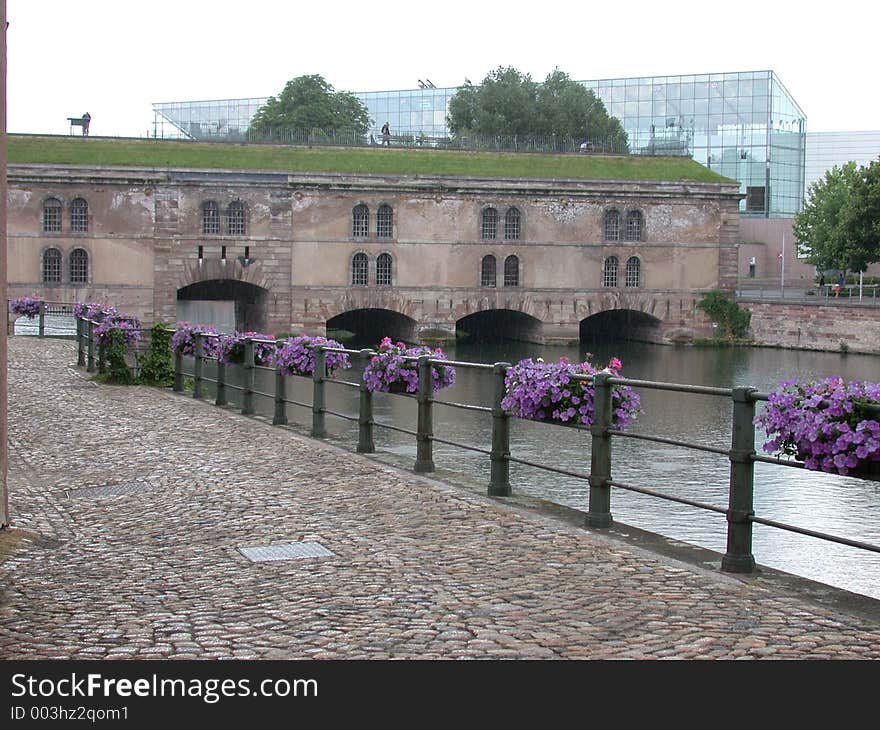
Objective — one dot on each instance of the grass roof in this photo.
(74, 150)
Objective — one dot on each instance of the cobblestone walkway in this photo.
(149, 565)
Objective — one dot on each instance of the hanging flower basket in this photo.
(183, 341)
(297, 356)
(826, 424)
(30, 307)
(393, 369)
(541, 391)
(231, 348)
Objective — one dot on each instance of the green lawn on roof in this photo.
(370, 160)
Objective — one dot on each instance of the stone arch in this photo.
(227, 304)
(365, 327)
(491, 324)
(621, 323)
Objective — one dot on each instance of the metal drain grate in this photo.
(110, 490)
(289, 551)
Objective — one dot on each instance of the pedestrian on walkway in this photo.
(386, 135)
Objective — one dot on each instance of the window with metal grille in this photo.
(609, 272)
(633, 271)
(512, 224)
(612, 225)
(633, 226)
(79, 266)
(52, 266)
(487, 271)
(511, 271)
(359, 269)
(79, 215)
(489, 224)
(385, 222)
(210, 218)
(235, 223)
(52, 216)
(383, 269)
(360, 221)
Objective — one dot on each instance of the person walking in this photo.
(386, 135)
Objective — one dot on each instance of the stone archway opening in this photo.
(226, 304)
(620, 324)
(493, 325)
(366, 327)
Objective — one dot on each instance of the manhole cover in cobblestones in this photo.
(289, 551)
(111, 490)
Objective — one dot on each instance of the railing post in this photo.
(366, 444)
(221, 399)
(599, 514)
(499, 479)
(199, 341)
(247, 396)
(178, 372)
(425, 426)
(319, 429)
(80, 342)
(739, 558)
(280, 417)
(90, 363)
(42, 325)
(102, 356)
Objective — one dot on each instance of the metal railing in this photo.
(47, 309)
(739, 512)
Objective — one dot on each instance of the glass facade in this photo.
(744, 125)
(827, 149)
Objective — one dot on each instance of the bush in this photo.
(728, 314)
(156, 367)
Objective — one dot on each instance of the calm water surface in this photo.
(842, 506)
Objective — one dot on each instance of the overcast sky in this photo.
(114, 58)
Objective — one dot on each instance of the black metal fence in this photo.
(739, 512)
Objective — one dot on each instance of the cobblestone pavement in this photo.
(420, 569)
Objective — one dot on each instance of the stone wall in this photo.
(815, 326)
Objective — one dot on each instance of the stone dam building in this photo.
(416, 257)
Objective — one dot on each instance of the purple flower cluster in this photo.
(128, 324)
(231, 348)
(542, 391)
(28, 306)
(94, 311)
(297, 356)
(183, 340)
(823, 423)
(389, 367)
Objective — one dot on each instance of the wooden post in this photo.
(599, 514)
(425, 427)
(366, 444)
(319, 426)
(739, 557)
(499, 480)
(247, 398)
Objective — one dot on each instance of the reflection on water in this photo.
(833, 504)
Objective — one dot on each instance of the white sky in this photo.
(114, 58)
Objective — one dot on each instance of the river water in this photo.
(843, 506)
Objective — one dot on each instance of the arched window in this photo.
(609, 272)
(487, 271)
(511, 271)
(385, 222)
(51, 266)
(210, 218)
(634, 226)
(360, 221)
(612, 225)
(79, 215)
(512, 225)
(489, 224)
(235, 219)
(359, 269)
(383, 269)
(79, 266)
(633, 271)
(52, 216)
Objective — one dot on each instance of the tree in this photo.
(307, 103)
(818, 228)
(508, 102)
(860, 225)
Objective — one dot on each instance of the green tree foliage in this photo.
(861, 219)
(818, 227)
(156, 367)
(728, 314)
(116, 370)
(509, 102)
(309, 102)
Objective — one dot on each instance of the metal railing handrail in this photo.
(740, 512)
